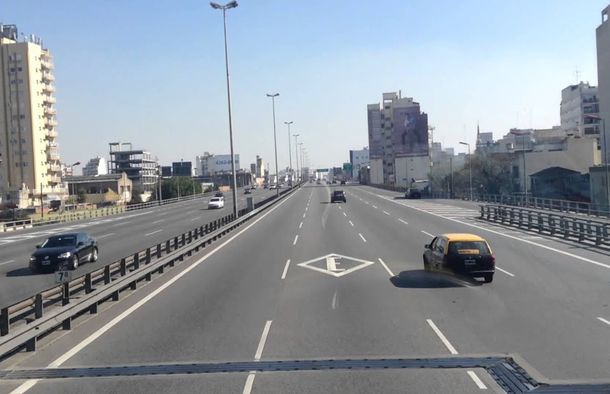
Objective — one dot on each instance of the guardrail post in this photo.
(136, 261)
(167, 246)
(175, 243)
(30, 346)
(183, 239)
(133, 285)
(190, 236)
(38, 308)
(206, 230)
(107, 278)
(65, 299)
(88, 287)
(158, 254)
(581, 232)
(598, 234)
(540, 223)
(123, 267)
(552, 225)
(4, 321)
(148, 255)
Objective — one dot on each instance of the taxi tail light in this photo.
(493, 259)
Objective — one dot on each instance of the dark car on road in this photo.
(219, 194)
(247, 191)
(463, 254)
(337, 195)
(65, 251)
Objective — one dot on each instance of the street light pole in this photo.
(301, 149)
(296, 152)
(470, 166)
(289, 152)
(224, 9)
(277, 175)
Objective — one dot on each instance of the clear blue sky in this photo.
(152, 72)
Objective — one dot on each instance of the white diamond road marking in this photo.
(331, 264)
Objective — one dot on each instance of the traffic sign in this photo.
(63, 276)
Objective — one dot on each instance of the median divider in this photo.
(587, 231)
(23, 323)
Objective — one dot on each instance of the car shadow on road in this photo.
(420, 279)
(24, 271)
(399, 198)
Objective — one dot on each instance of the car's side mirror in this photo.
(38, 246)
(81, 243)
(427, 246)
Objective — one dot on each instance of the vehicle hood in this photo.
(53, 251)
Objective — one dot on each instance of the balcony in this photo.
(50, 124)
(46, 64)
(52, 154)
(49, 112)
(48, 88)
(51, 134)
(54, 179)
(47, 77)
(49, 100)
(54, 167)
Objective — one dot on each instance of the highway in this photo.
(117, 236)
(310, 280)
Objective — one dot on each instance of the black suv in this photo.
(64, 251)
(337, 195)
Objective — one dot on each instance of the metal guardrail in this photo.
(15, 225)
(22, 323)
(589, 231)
(548, 204)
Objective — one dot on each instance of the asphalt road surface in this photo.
(309, 280)
(117, 236)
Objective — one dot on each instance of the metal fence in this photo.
(22, 323)
(589, 231)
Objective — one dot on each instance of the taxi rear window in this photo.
(468, 247)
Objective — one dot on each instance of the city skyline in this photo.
(163, 79)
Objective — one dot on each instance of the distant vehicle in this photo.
(418, 188)
(247, 191)
(412, 193)
(266, 186)
(272, 187)
(337, 195)
(65, 251)
(219, 194)
(343, 182)
(464, 254)
(216, 203)
(318, 182)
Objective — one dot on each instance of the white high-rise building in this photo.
(579, 109)
(96, 166)
(29, 156)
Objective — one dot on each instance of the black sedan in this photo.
(65, 251)
(337, 195)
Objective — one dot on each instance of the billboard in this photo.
(222, 163)
(410, 132)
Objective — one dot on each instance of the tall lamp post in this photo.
(296, 152)
(523, 134)
(470, 166)
(301, 151)
(72, 173)
(224, 9)
(289, 152)
(277, 175)
(604, 156)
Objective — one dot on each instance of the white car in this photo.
(216, 202)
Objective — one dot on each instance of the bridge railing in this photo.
(584, 230)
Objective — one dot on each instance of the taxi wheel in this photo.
(74, 262)
(488, 278)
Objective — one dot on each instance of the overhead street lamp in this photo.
(296, 152)
(604, 156)
(301, 149)
(224, 9)
(289, 151)
(470, 165)
(72, 173)
(277, 175)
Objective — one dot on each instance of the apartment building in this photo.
(29, 155)
(398, 141)
(138, 164)
(579, 110)
(96, 166)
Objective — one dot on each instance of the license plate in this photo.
(468, 262)
(47, 262)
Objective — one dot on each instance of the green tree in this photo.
(178, 186)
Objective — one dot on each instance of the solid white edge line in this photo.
(363, 239)
(286, 269)
(386, 267)
(249, 383)
(476, 380)
(85, 342)
(154, 232)
(505, 271)
(442, 337)
(352, 224)
(575, 256)
(427, 233)
(261, 343)
(601, 319)
(296, 238)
